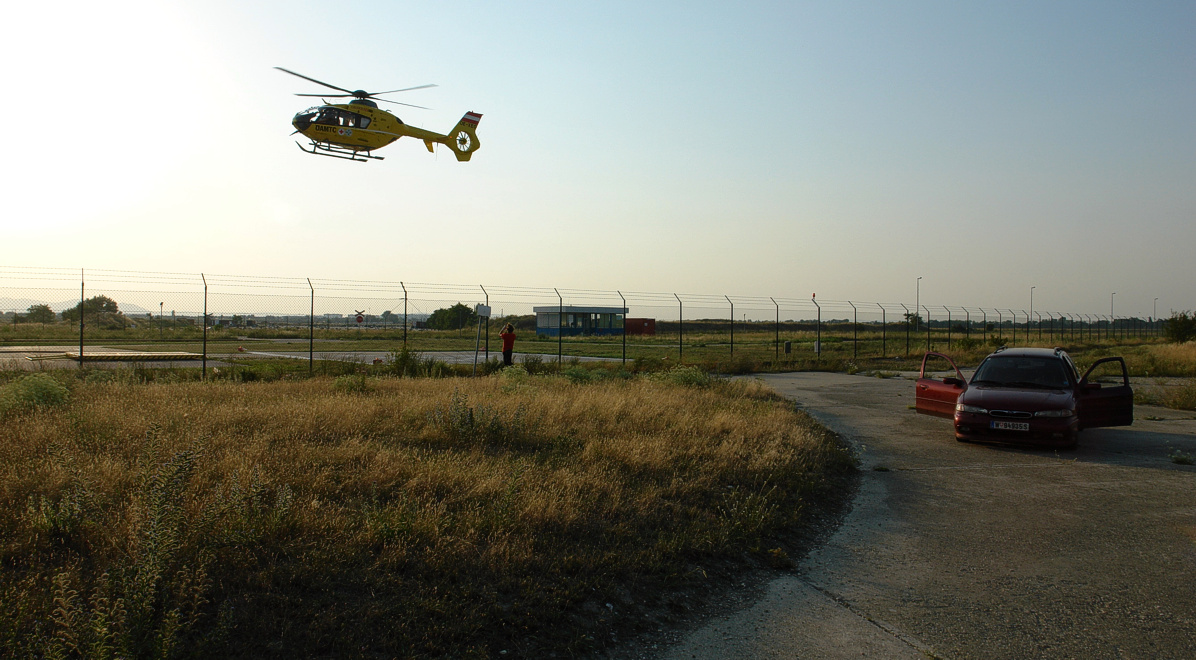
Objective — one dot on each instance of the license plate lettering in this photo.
(1009, 426)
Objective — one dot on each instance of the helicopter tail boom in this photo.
(463, 139)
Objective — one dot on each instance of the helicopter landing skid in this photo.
(338, 152)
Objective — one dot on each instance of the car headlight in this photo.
(960, 407)
(1065, 412)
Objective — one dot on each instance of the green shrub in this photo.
(967, 344)
(32, 391)
(1180, 327)
(687, 376)
(533, 364)
(481, 424)
(641, 364)
(580, 375)
(412, 364)
(351, 384)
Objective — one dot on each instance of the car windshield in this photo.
(1013, 371)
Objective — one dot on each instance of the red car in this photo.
(1026, 396)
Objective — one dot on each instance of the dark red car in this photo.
(1026, 396)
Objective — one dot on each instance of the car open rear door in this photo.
(933, 396)
(1105, 404)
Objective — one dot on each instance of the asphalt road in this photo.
(954, 550)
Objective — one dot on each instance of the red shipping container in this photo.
(640, 327)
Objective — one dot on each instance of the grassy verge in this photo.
(1180, 396)
(383, 517)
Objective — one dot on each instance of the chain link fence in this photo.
(179, 319)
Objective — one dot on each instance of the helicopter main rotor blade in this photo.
(409, 105)
(405, 89)
(318, 82)
(329, 96)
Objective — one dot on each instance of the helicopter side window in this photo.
(356, 120)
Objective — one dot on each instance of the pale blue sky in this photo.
(746, 148)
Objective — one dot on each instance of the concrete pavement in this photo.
(954, 550)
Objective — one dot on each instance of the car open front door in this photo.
(1107, 404)
(933, 396)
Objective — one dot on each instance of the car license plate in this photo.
(1009, 426)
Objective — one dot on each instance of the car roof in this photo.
(1027, 352)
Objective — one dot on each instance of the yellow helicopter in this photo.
(355, 129)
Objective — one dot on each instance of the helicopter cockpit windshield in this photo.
(336, 117)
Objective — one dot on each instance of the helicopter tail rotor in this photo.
(463, 139)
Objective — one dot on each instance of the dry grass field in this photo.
(506, 516)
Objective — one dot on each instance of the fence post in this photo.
(560, 327)
(1027, 325)
(927, 326)
(404, 314)
(948, 325)
(818, 336)
(776, 343)
(203, 374)
(81, 305)
(732, 324)
(487, 323)
(907, 320)
(311, 331)
(967, 324)
(680, 330)
(883, 324)
(855, 331)
(624, 325)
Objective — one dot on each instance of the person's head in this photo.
(508, 328)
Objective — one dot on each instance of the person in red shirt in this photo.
(508, 344)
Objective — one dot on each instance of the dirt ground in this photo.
(954, 550)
